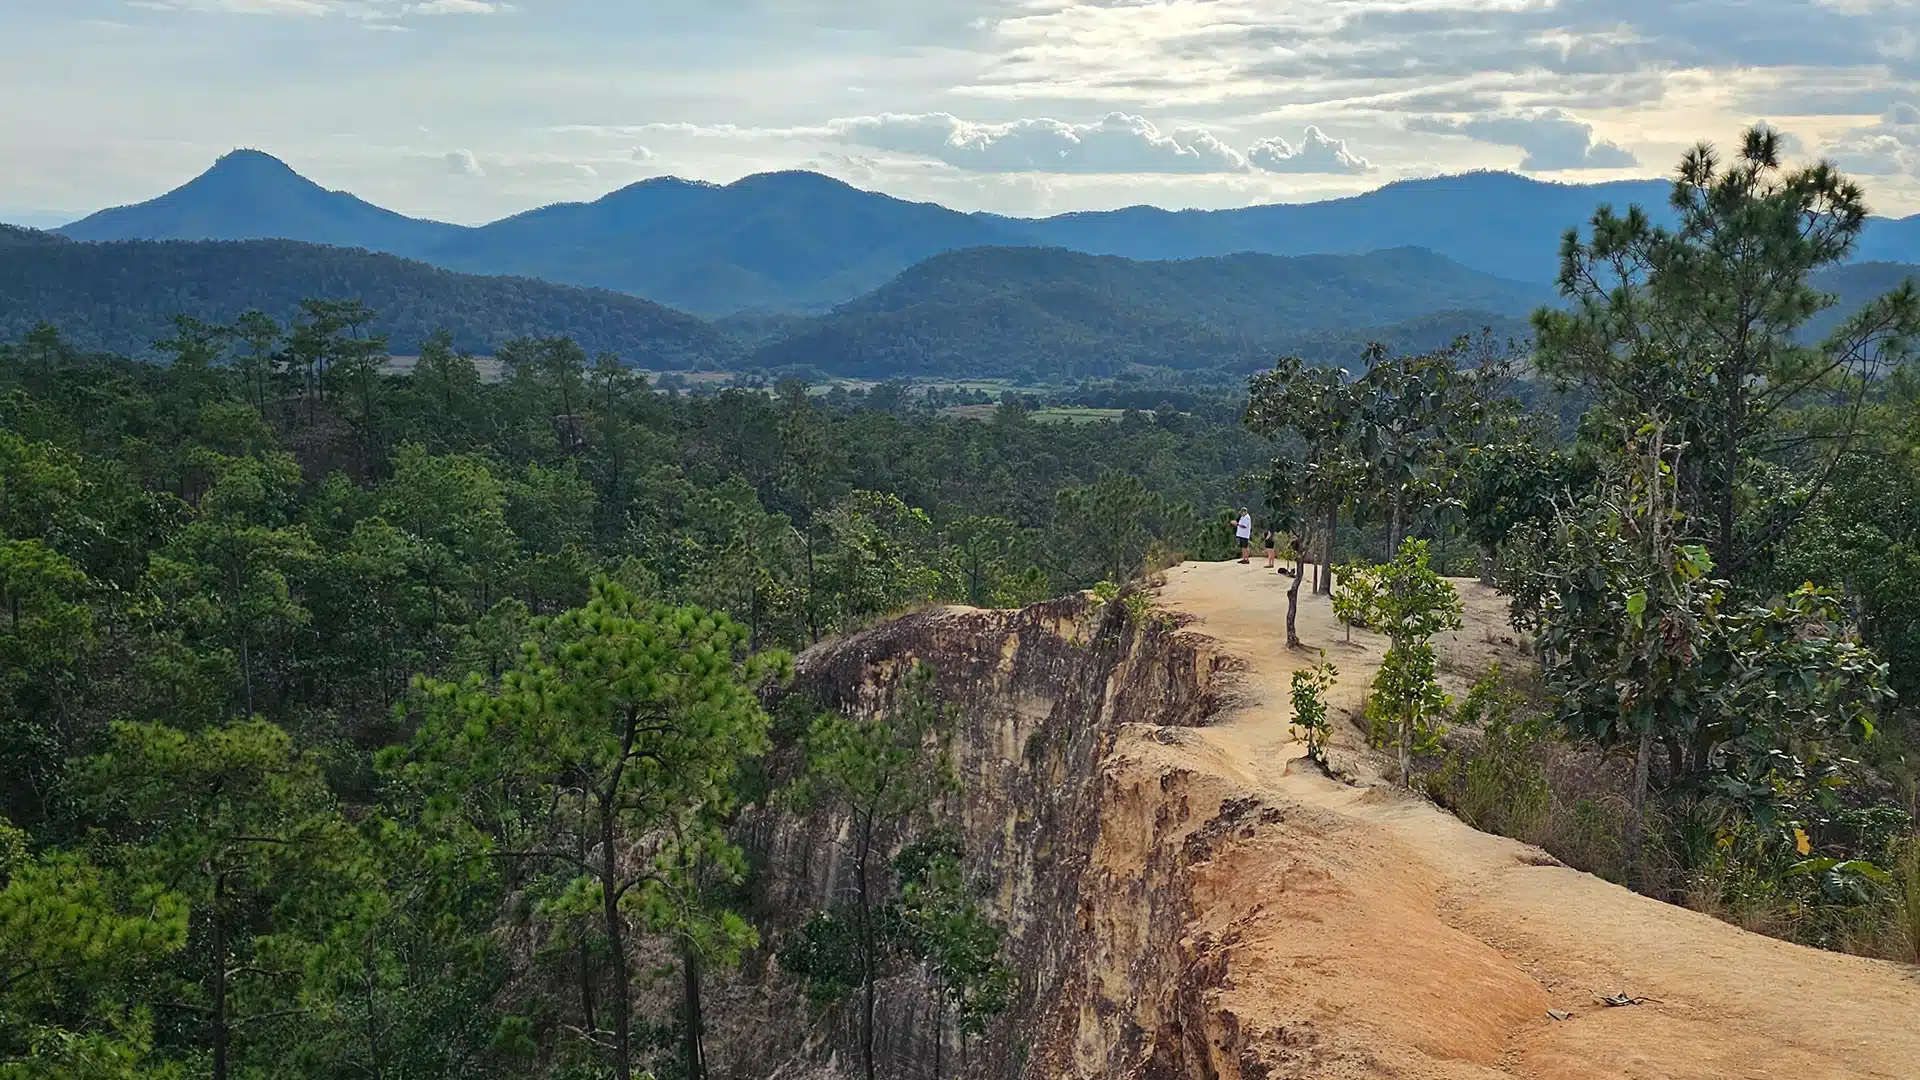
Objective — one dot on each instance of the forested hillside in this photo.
(122, 297)
(1048, 311)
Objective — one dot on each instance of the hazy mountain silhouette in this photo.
(1497, 222)
(788, 240)
(799, 241)
(248, 195)
(1053, 311)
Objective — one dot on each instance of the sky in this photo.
(469, 110)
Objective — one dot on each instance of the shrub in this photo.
(1310, 686)
(1356, 595)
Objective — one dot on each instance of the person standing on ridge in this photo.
(1243, 530)
(1268, 540)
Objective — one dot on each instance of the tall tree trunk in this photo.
(589, 1016)
(246, 672)
(1637, 811)
(219, 1015)
(1393, 523)
(813, 627)
(617, 944)
(866, 948)
(939, 1034)
(1730, 462)
(696, 1052)
(1293, 599)
(371, 978)
(1323, 584)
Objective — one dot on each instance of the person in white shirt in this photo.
(1243, 530)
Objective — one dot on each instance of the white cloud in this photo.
(1888, 148)
(1554, 139)
(1117, 143)
(372, 11)
(754, 84)
(465, 163)
(457, 7)
(1317, 153)
(302, 8)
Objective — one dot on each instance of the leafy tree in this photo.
(230, 572)
(1703, 327)
(1508, 486)
(46, 630)
(1356, 596)
(1106, 525)
(880, 557)
(808, 482)
(403, 965)
(942, 923)
(1406, 410)
(983, 549)
(243, 826)
(886, 773)
(453, 509)
(73, 938)
(601, 753)
(1308, 697)
(1319, 410)
(447, 381)
(259, 338)
(1751, 702)
(1414, 605)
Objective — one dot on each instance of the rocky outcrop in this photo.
(1087, 857)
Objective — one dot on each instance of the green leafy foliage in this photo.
(620, 729)
(123, 298)
(1414, 605)
(1356, 596)
(889, 775)
(1308, 697)
(1701, 326)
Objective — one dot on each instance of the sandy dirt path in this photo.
(1368, 933)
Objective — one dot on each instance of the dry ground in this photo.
(1367, 933)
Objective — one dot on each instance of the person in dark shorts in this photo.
(1267, 541)
(1243, 532)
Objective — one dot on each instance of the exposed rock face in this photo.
(1089, 868)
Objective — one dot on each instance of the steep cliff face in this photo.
(1087, 867)
(1185, 904)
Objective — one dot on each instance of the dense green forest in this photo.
(223, 574)
(328, 695)
(1001, 311)
(122, 297)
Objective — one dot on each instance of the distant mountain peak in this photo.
(253, 166)
(243, 156)
(249, 194)
(652, 185)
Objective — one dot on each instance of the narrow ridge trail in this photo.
(1355, 930)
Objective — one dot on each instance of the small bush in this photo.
(1500, 785)
(1310, 724)
(1906, 904)
(1356, 595)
